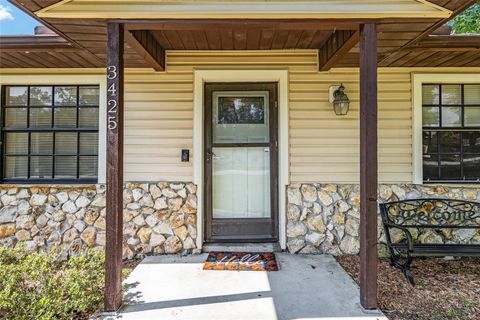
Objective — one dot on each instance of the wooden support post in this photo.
(368, 166)
(114, 219)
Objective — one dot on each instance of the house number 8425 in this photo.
(112, 103)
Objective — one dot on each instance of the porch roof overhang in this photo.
(34, 42)
(312, 9)
(148, 40)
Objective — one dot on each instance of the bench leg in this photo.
(408, 274)
(404, 266)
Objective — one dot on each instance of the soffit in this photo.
(319, 9)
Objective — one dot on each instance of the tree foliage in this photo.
(468, 21)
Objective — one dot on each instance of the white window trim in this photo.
(280, 76)
(72, 79)
(418, 79)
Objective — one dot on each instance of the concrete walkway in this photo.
(306, 287)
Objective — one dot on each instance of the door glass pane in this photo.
(240, 117)
(241, 182)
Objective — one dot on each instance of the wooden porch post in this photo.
(114, 219)
(368, 166)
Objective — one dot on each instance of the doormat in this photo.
(241, 261)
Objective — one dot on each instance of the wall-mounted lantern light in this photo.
(339, 100)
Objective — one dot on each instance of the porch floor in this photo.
(306, 287)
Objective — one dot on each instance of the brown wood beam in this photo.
(145, 44)
(368, 166)
(447, 43)
(242, 24)
(33, 40)
(436, 49)
(336, 46)
(35, 43)
(38, 49)
(114, 221)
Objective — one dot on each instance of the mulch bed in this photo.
(445, 289)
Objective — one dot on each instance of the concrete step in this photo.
(242, 247)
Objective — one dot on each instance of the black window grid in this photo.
(54, 130)
(462, 130)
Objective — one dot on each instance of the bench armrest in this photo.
(410, 241)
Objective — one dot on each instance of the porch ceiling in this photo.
(238, 39)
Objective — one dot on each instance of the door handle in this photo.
(210, 154)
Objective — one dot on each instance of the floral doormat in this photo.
(241, 261)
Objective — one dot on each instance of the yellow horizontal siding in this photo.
(158, 124)
(159, 108)
(323, 147)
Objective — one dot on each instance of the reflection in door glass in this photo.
(241, 182)
(240, 117)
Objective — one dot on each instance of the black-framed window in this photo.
(50, 133)
(451, 132)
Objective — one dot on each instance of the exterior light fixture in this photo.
(339, 100)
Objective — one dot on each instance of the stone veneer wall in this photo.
(324, 218)
(161, 217)
(158, 217)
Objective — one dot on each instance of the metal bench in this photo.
(421, 214)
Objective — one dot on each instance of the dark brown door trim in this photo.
(241, 230)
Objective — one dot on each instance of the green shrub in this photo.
(41, 286)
